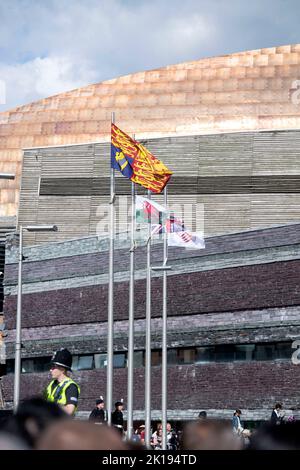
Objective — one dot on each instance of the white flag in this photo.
(149, 211)
(193, 240)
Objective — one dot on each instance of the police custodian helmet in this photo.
(119, 403)
(99, 401)
(62, 358)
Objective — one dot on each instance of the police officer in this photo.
(62, 389)
(98, 414)
(117, 416)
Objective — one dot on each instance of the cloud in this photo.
(48, 47)
(43, 77)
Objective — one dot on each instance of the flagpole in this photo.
(148, 339)
(164, 381)
(110, 319)
(130, 363)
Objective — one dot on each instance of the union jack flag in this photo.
(186, 237)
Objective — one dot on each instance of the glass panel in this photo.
(205, 354)
(120, 360)
(75, 363)
(284, 350)
(10, 366)
(264, 352)
(219, 353)
(100, 361)
(85, 362)
(47, 365)
(187, 356)
(138, 358)
(172, 357)
(224, 353)
(156, 358)
(27, 366)
(244, 352)
(41, 364)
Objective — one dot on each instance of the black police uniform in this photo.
(117, 418)
(98, 415)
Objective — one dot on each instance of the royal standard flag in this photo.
(135, 162)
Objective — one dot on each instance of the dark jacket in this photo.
(275, 419)
(97, 416)
(117, 418)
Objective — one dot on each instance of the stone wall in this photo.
(254, 386)
(243, 288)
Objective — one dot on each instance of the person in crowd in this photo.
(156, 438)
(117, 419)
(236, 422)
(202, 415)
(142, 433)
(172, 440)
(210, 434)
(246, 436)
(62, 389)
(32, 418)
(81, 435)
(98, 414)
(273, 437)
(277, 415)
(10, 442)
(139, 434)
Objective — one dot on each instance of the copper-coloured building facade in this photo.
(245, 91)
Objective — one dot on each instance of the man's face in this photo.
(120, 408)
(169, 427)
(56, 371)
(100, 406)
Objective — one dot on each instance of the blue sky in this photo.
(50, 46)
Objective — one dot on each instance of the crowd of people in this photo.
(40, 424)
(99, 416)
(48, 423)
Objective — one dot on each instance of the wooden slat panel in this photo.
(275, 209)
(276, 153)
(230, 174)
(29, 196)
(226, 213)
(180, 154)
(66, 162)
(101, 186)
(101, 160)
(225, 154)
(71, 215)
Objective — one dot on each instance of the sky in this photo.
(51, 46)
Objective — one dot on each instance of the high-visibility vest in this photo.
(58, 394)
